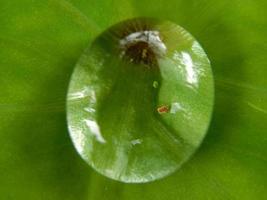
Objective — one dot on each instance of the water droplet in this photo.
(140, 100)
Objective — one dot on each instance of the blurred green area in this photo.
(40, 42)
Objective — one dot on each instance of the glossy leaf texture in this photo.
(40, 44)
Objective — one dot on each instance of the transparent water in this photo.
(140, 100)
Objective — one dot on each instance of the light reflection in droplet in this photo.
(95, 130)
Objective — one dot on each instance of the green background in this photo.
(40, 42)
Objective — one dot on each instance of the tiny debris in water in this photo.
(144, 53)
(155, 84)
(163, 109)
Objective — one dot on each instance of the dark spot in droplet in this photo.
(140, 53)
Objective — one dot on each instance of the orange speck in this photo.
(163, 109)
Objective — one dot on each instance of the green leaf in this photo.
(42, 40)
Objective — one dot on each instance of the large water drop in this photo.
(140, 100)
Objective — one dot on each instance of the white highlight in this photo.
(191, 75)
(95, 130)
(79, 139)
(76, 95)
(151, 37)
(137, 141)
(85, 92)
(90, 110)
(175, 107)
(187, 67)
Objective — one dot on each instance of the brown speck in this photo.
(163, 109)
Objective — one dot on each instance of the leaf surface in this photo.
(40, 43)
